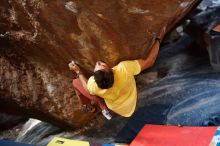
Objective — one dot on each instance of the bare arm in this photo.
(150, 59)
(82, 78)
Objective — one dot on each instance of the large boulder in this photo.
(38, 38)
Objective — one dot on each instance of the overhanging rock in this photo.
(38, 38)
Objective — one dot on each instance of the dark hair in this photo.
(104, 79)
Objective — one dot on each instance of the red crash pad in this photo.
(158, 135)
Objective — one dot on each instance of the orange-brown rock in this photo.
(39, 37)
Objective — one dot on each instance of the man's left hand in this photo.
(74, 67)
(161, 33)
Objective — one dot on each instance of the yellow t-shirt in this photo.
(122, 96)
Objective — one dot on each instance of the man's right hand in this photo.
(74, 67)
(161, 33)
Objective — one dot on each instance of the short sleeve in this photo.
(91, 85)
(131, 66)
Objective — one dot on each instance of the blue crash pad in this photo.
(11, 143)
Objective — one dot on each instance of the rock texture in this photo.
(39, 37)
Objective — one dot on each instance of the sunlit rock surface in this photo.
(38, 38)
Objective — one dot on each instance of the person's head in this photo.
(103, 75)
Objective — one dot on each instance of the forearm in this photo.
(74, 67)
(150, 59)
(83, 81)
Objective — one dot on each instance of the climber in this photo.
(115, 85)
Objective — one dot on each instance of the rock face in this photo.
(39, 37)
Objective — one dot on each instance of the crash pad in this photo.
(56, 141)
(12, 143)
(161, 135)
(66, 142)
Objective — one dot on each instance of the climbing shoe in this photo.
(86, 109)
(106, 114)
